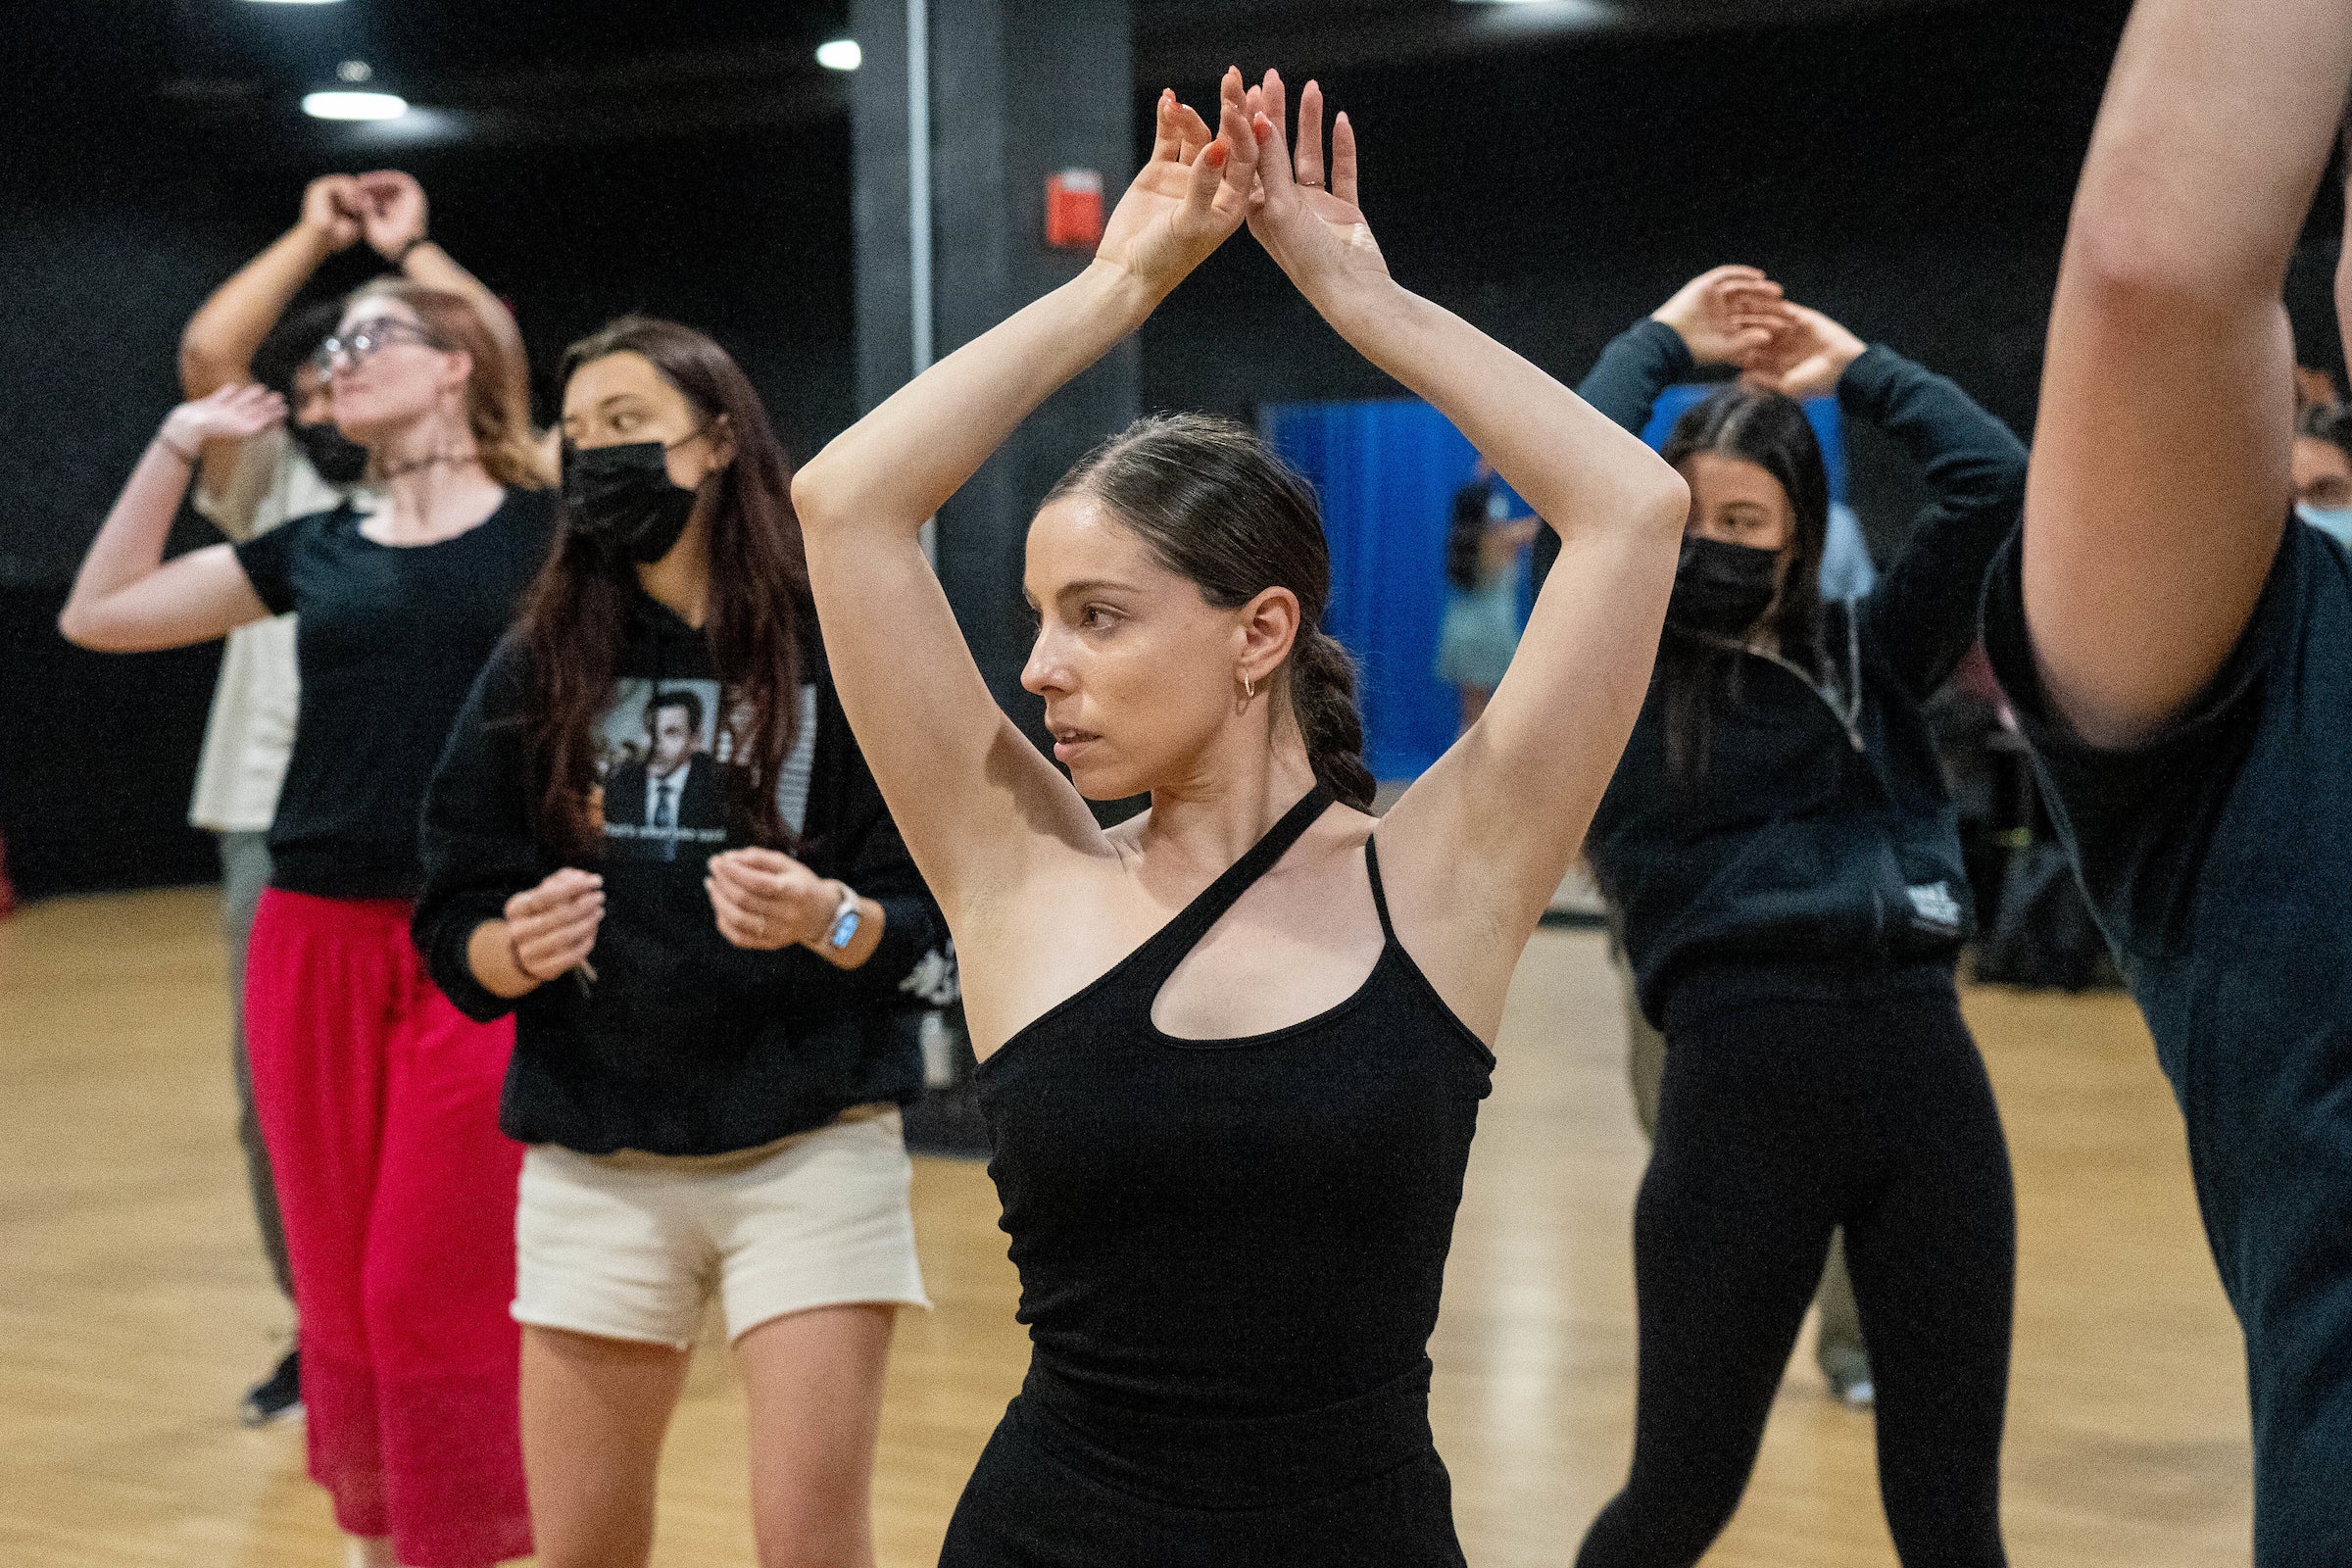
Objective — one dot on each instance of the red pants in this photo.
(379, 1101)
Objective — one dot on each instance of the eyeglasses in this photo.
(363, 341)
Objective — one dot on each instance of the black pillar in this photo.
(1019, 88)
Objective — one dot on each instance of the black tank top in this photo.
(1234, 1228)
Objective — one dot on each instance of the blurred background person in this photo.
(2321, 464)
(377, 1099)
(246, 487)
(1483, 543)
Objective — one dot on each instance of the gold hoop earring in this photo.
(1249, 687)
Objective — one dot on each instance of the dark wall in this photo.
(109, 242)
(1909, 175)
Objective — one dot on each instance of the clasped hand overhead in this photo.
(1197, 188)
(1735, 315)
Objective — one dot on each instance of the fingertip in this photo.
(1216, 155)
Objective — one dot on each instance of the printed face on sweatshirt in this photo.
(663, 758)
(663, 768)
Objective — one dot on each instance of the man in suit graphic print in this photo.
(675, 792)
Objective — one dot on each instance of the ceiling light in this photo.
(354, 105)
(842, 53)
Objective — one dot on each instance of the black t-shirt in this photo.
(2219, 859)
(390, 641)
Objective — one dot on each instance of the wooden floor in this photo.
(134, 1305)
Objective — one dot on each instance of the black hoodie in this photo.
(683, 1044)
(1820, 845)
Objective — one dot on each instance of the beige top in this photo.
(250, 733)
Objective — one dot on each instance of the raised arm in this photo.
(125, 599)
(2159, 482)
(1719, 317)
(976, 801)
(393, 217)
(217, 347)
(1478, 845)
(1923, 611)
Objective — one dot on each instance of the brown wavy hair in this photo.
(1215, 503)
(576, 615)
(498, 389)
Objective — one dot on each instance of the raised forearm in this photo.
(218, 344)
(129, 546)
(432, 267)
(1571, 462)
(899, 463)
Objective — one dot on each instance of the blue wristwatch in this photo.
(846, 921)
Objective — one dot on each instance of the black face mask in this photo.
(1722, 588)
(339, 460)
(621, 499)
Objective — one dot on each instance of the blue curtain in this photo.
(1387, 472)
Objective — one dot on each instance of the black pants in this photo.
(1779, 1121)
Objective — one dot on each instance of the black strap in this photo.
(1157, 959)
(1380, 897)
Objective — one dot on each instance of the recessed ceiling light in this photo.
(841, 54)
(354, 105)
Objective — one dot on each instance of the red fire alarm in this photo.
(1074, 209)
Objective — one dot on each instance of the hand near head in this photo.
(1191, 195)
(1311, 227)
(391, 211)
(1805, 357)
(553, 926)
(230, 414)
(1725, 315)
(330, 209)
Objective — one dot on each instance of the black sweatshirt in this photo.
(684, 1043)
(1817, 846)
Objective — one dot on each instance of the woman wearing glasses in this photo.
(377, 1099)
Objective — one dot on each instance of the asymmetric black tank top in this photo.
(1234, 1229)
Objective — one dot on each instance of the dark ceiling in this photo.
(512, 72)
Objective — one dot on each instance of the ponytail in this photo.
(1322, 683)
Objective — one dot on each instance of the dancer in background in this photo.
(377, 1099)
(1784, 857)
(705, 951)
(2180, 655)
(1234, 1048)
(247, 487)
(1480, 630)
(2322, 469)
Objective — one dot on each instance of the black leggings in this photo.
(1779, 1121)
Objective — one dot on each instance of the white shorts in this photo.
(632, 1245)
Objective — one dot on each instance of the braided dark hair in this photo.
(1214, 504)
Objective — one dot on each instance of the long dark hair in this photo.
(576, 612)
(1214, 504)
(1772, 432)
(1466, 533)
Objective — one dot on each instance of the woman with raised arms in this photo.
(1234, 1048)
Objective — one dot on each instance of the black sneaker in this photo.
(275, 1397)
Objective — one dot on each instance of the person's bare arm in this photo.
(1475, 849)
(2159, 482)
(974, 799)
(393, 218)
(216, 346)
(126, 598)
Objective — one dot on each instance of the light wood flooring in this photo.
(134, 1305)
